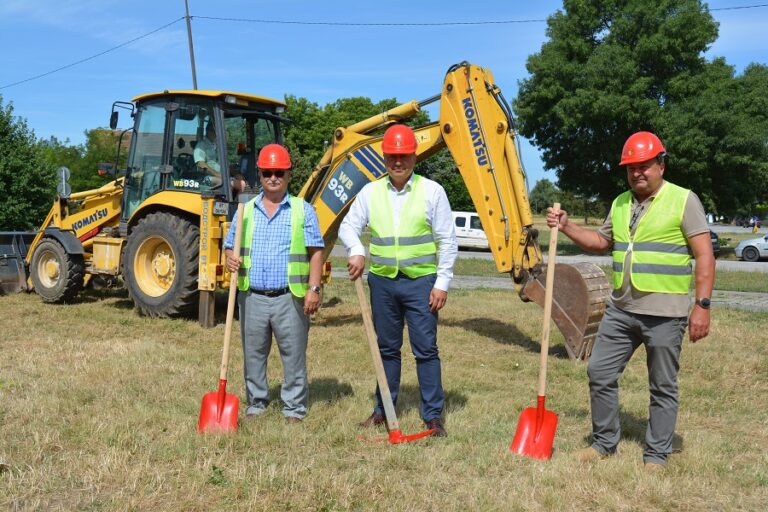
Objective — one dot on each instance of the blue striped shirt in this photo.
(272, 242)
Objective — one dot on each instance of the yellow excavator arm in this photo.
(475, 125)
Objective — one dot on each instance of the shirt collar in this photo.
(283, 202)
(406, 188)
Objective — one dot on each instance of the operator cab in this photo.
(195, 141)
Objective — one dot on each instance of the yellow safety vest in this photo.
(410, 248)
(298, 262)
(659, 260)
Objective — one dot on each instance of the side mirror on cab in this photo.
(105, 168)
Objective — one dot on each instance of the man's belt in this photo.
(272, 293)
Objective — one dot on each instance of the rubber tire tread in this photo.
(184, 238)
(71, 278)
(755, 254)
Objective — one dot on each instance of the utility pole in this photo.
(191, 48)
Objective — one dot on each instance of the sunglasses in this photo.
(268, 174)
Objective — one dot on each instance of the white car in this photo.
(469, 231)
(752, 249)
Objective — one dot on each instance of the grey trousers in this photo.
(619, 335)
(283, 316)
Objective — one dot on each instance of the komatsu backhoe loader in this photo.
(161, 226)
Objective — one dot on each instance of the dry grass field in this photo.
(98, 411)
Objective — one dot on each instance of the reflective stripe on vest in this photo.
(659, 256)
(298, 261)
(410, 249)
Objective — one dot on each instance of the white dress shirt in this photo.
(439, 218)
(205, 151)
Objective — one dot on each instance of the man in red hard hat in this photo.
(413, 247)
(279, 266)
(651, 231)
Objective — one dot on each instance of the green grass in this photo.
(98, 411)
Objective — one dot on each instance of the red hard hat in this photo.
(399, 140)
(641, 146)
(273, 156)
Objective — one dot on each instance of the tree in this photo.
(614, 67)
(718, 132)
(100, 147)
(440, 167)
(83, 160)
(62, 154)
(543, 194)
(26, 180)
(312, 128)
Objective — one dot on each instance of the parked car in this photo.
(752, 249)
(715, 243)
(469, 231)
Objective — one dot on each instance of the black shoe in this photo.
(373, 420)
(437, 426)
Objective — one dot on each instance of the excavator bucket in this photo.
(578, 303)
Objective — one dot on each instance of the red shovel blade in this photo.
(219, 410)
(535, 432)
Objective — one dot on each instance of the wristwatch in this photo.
(704, 302)
(316, 289)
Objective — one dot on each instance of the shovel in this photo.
(219, 410)
(395, 435)
(536, 427)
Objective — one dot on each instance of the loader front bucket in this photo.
(578, 303)
(13, 249)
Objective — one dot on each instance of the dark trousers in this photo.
(395, 302)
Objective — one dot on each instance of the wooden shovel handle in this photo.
(381, 377)
(549, 286)
(232, 296)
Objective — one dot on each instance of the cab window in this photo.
(144, 178)
(190, 122)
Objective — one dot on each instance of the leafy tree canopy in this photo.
(26, 180)
(83, 160)
(545, 194)
(614, 67)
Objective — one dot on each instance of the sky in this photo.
(322, 51)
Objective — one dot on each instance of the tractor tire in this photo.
(750, 254)
(160, 266)
(56, 275)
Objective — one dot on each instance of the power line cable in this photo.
(92, 56)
